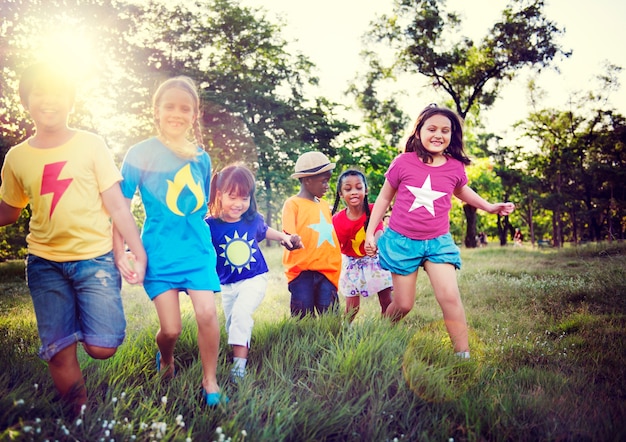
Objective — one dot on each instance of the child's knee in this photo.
(99, 352)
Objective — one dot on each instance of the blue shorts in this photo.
(76, 301)
(403, 256)
(312, 292)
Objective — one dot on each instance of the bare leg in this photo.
(353, 304)
(68, 378)
(208, 336)
(168, 310)
(443, 279)
(240, 351)
(384, 298)
(403, 296)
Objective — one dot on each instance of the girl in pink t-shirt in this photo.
(422, 180)
(361, 275)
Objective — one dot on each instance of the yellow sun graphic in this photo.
(238, 252)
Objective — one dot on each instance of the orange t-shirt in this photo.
(313, 222)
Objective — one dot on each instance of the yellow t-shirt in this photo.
(313, 222)
(63, 186)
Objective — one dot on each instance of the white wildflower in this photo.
(164, 400)
(27, 429)
(79, 422)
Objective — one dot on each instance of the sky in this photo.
(329, 32)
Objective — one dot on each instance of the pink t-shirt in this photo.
(424, 195)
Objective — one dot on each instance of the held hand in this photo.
(292, 242)
(131, 270)
(370, 246)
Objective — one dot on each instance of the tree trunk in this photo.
(470, 230)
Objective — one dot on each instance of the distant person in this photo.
(423, 180)
(361, 275)
(518, 238)
(386, 218)
(482, 239)
(70, 180)
(237, 229)
(313, 271)
(173, 176)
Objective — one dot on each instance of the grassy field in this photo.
(548, 336)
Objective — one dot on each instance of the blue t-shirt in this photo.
(174, 192)
(237, 245)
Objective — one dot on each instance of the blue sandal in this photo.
(158, 364)
(215, 399)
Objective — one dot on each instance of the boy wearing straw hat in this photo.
(313, 270)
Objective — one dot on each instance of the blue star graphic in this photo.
(325, 231)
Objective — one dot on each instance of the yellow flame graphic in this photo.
(183, 178)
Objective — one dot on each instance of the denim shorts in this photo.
(403, 256)
(76, 301)
(312, 292)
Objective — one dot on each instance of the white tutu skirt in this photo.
(362, 276)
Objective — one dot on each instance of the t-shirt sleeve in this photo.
(131, 174)
(392, 175)
(11, 192)
(261, 230)
(290, 213)
(107, 173)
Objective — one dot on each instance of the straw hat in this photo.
(312, 163)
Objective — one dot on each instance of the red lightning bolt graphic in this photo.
(51, 183)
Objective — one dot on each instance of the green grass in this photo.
(548, 337)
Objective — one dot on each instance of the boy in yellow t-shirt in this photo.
(72, 185)
(313, 270)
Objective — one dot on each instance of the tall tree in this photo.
(425, 39)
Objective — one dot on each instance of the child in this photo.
(361, 274)
(173, 177)
(72, 184)
(236, 229)
(313, 271)
(423, 180)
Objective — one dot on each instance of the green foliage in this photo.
(13, 237)
(427, 42)
(548, 361)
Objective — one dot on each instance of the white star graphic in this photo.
(425, 196)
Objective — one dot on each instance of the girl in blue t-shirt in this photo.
(236, 230)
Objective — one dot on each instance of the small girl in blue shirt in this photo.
(236, 230)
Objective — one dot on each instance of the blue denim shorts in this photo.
(312, 292)
(403, 256)
(76, 301)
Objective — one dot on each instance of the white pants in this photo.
(240, 300)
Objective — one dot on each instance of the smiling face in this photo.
(233, 206)
(353, 191)
(48, 107)
(435, 134)
(175, 113)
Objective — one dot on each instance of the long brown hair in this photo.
(456, 149)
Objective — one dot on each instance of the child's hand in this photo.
(503, 209)
(130, 268)
(292, 242)
(370, 245)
